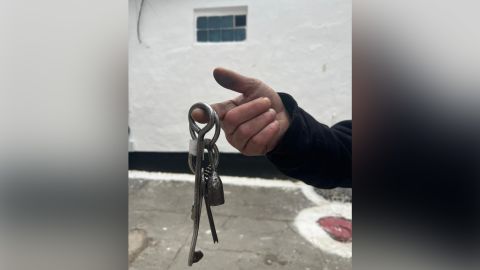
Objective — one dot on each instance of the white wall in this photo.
(302, 47)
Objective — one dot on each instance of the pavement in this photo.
(264, 224)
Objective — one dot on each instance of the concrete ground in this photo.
(256, 228)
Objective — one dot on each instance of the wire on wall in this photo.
(138, 22)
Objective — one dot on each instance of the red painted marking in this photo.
(338, 228)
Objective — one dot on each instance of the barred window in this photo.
(230, 28)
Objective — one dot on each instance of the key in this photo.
(208, 176)
(208, 186)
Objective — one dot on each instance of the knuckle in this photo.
(259, 106)
(244, 131)
(257, 141)
(233, 142)
(230, 117)
(253, 84)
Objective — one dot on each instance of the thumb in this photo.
(234, 81)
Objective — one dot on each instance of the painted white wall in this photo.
(302, 47)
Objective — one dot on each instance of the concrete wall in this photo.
(302, 47)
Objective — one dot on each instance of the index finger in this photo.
(221, 108)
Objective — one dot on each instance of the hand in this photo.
(253, 122)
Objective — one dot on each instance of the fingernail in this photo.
(266, 100)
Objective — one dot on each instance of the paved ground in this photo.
(255, 227)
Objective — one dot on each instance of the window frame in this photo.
(220, 11)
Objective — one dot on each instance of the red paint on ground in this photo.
(338, 228)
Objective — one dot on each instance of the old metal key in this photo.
(208, 185)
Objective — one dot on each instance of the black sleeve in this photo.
(312, 152)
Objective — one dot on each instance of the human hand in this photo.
(253, 122)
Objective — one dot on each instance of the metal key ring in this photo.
(217, 129)
(190, 164)
(194, 128)
(213, 154)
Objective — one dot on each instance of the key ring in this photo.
(213, 154)
(195, 129)
(197, 148)
(206, 178)
(212, 120)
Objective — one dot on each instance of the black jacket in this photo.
(312, 152)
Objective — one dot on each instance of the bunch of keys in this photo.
(208, 185)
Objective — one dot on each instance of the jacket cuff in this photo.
(285, 151)
(289, 103)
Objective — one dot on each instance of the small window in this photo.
(229, 28)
